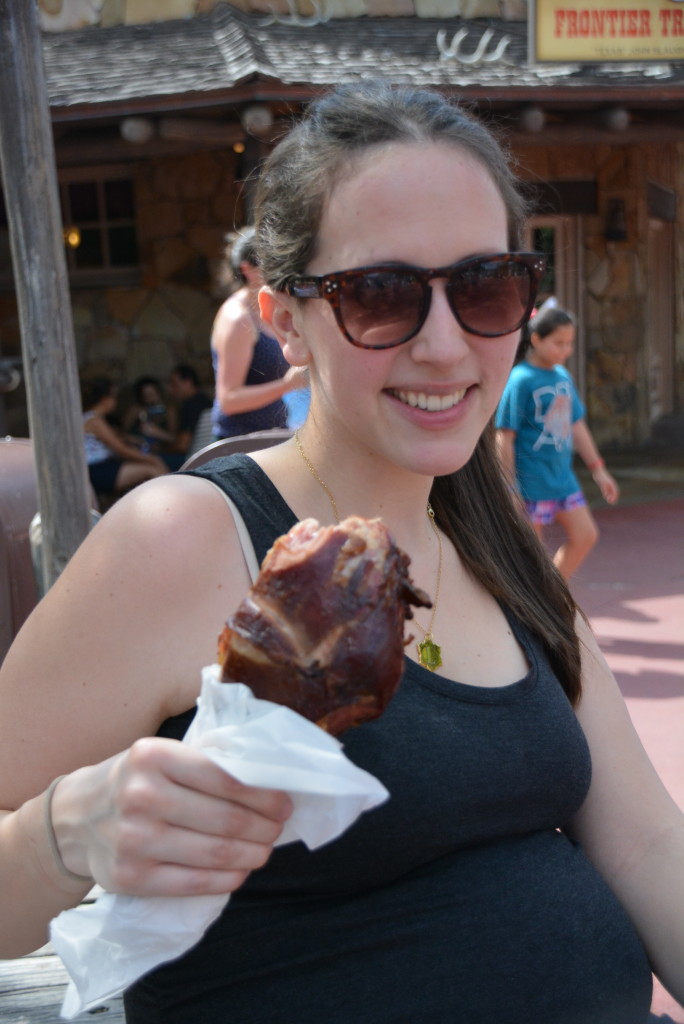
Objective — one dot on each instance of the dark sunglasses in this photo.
(384, 306)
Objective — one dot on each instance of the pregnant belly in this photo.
(522, 931)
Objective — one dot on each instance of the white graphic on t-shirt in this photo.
(553, 410)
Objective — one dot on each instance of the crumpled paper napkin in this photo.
(107, 945)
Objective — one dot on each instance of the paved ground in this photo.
(632, 588)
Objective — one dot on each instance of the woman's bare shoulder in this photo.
(233, 312)
(119, 642)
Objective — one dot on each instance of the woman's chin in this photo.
(431, 461)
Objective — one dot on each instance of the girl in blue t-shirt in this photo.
(540, 424)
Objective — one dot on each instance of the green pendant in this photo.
(429, 653)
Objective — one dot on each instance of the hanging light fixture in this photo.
(136, 129)
(256, 119)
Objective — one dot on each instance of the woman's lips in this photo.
(430, 402)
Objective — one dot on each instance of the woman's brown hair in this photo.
(473, 507)
(476, 510)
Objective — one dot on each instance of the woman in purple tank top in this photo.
(252, 375)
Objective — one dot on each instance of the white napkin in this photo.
(107, 945)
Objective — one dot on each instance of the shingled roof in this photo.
(209, 55)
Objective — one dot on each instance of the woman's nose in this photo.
(441, 338)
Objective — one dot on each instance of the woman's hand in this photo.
(296, 377)
(162, 819)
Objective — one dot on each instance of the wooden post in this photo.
(27, 160)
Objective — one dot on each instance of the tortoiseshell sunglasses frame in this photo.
(330, 286)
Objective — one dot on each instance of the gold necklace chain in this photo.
(429, 652)
(316, 477)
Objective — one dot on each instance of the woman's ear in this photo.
(277, 310)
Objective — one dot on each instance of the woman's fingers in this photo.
(250, 814)
(168, 821)
(206, 791)
(174, 880)
(180, 862)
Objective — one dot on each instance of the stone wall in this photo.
(185, 207)
(615, 276)
(614, 302)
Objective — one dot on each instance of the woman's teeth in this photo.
(433, 403)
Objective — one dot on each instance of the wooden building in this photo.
(163, 109)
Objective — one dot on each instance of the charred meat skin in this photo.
(322, 628)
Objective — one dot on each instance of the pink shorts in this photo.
(543, 513)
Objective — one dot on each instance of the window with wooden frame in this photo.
(99, 218)
(99, 221)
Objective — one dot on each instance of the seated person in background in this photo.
(114, 466)
(148, 418)
(184, 389)
(252, 375)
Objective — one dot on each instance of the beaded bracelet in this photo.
(52, 838)
(597, 464)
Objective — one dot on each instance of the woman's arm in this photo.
(233, 339)
(131, 416)
(150, 429)
(102, 430)
(585, 446)
(114, 648)
(629, 826)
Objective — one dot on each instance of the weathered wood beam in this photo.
(108, 148)
(578, 134)
(27, 160)
(188, 129)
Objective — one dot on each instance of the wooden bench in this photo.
(32, 990)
